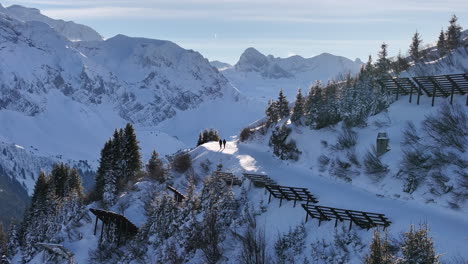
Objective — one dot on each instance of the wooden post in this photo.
(350, 224)
(336, 222)
(419, 94)
(320, 221)
(95, 225)
(102, 229)
(269, 198)
(451, 94)
(433, 93)
(281, 200)
(397, 92)
(294, 203)
(307, 215)
(411, 94)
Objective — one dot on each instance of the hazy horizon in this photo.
(221, 30)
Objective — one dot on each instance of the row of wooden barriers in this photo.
(365, 220)
(362, 219)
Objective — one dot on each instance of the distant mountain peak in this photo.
(68, 29)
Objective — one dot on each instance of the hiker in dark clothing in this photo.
(220, 143)
(224, 143)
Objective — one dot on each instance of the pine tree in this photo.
(441, 43)
(131, 153)
(298, 110)
(155, 168)
(379, 250)
(283, 105)
(13, 240)
(200, 139)
(418, 247)
(383, 63)
(453, 33)
(415, 46)
(105, 164)
(271, 112)
(3, 241)
(313, 105)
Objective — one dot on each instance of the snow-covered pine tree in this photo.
(401, 64)
(155, 168)
(453, 33)
(283, 105)
(328, 112)
(131, 157)
(13, 240)
(298, 110)
(33, 228)
(105, 165)
(441, 43)
(162, 223)
(383, 63)
(313, 105)
(379, 250)
(272, 113)
(418, 247)
(200, 139)
(414, 50)
(3, 241)
(282, 147)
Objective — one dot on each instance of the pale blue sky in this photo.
(223, 29)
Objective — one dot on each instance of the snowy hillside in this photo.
(69, 29)
(261, 77)
(446, 226)
(64, 99)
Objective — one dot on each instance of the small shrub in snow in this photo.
(323, 162)
(253, 242)
(341, 169)
(373, 165)
(290, 245)
(345, 242)
(246, 134)
(205, 166)
(449, 127)
(460, 193)
(347, 138)
(353, 158)
(440, 183)
(282, 148)
(182, 162)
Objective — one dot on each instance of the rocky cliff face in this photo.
(146, 81)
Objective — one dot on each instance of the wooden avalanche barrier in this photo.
(362, 219)
(290, 194)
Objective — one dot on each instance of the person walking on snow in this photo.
(220, 144)
(224, 143)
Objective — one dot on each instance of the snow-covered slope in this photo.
(261, 77)
(69, 29)
(65, 98)
(446, 226)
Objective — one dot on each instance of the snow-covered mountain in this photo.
(69, 29)
(64, 98)
(261, 77)
(220, 65)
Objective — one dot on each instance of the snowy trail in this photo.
(448, 227)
